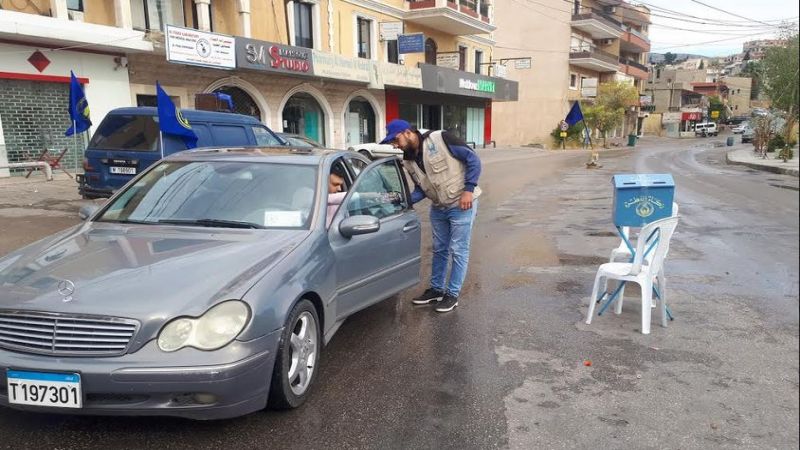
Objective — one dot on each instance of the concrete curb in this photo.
(766, 168)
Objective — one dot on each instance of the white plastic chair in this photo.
(622, 249)
(642, 271)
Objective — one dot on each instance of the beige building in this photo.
(575, 48)
(331, 70)
(739, 91)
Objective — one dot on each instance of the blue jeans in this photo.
(452, 230)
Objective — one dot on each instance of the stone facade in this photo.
(269, 91)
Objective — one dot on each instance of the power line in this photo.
(727, 12)
(712, 42)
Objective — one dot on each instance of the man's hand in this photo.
(466, 200)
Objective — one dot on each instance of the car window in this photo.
(264, 137)
(204, 138)
(357, 165)
(126, 132)
(264, 194)
(230, 135)
(378, 192)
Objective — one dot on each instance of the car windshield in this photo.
(219, 194)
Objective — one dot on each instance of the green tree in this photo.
(781, 70)
(670, 57)
(608, 110)
(716, 104)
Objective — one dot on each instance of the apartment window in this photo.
(303, 26)
(364, 41)
(573, 81)
(392, 53)
(156, 14)
(462, 58)
(478, 61)
(75, 5)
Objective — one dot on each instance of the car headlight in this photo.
(215, 329)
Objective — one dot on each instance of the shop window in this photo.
(303, 25)
(455, 120)
(359, 122)
(478, 61)
(573, 81)
(75, 5)
(243, 103)
(364, 38)
(431, 49)
(392, 53)
(409, 113)
(303, 115)
(156, 14)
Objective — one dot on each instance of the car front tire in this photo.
(297, 360)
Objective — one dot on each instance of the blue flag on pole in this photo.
(78, 108)
(575, 115)
(171, 121)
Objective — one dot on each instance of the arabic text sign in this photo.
(188, 46)
(329, 65)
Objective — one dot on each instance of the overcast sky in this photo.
(728, 32)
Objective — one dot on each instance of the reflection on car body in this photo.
(206, 288)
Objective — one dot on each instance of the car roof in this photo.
(192, 115)
(281, 155)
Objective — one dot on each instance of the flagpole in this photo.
(161, 142)
(77, 150)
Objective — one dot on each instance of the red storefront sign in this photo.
(692, 116)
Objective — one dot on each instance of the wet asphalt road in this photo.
(506, 369)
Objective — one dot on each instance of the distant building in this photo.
(757, 49)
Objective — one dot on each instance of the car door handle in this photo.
(411, 226)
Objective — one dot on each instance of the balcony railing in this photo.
(632, 63)
(459, 17)
(589, 13)
(592, 52)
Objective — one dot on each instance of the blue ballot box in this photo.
(642, 198)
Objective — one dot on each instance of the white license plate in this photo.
(123, 170)
(59, 390)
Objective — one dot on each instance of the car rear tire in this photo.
(297, 360)
(366, 154)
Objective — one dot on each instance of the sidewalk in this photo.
(746, 157)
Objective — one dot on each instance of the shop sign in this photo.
(671, 117)
(456, 82)
(388, 74)
(522, 64)
(692, 116)
(411, 43)
(271, 57)
(448, 60)
(329, 65)
(390, 30)
(189, 46)
(500, 70)
(477, 85)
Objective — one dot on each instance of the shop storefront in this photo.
(331, 99)
(457, 101)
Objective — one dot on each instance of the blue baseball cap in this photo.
(394, 128)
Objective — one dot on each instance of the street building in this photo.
(575, 48)
(332, 70)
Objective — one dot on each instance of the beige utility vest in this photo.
(443, 178)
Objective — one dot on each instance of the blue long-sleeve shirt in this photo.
(461, 152)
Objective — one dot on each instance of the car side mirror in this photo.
(355, 225)
(87, 211)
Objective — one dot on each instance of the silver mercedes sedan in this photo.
(206, 287)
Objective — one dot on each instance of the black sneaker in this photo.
(447, 304)
(429, 296)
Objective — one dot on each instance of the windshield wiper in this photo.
(212, 223)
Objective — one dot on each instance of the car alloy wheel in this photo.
(297, 358)
(303, 343)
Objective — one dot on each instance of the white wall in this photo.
(108, 86)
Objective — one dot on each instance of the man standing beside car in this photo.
(446, 171)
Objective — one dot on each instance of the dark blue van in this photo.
(127, 142)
